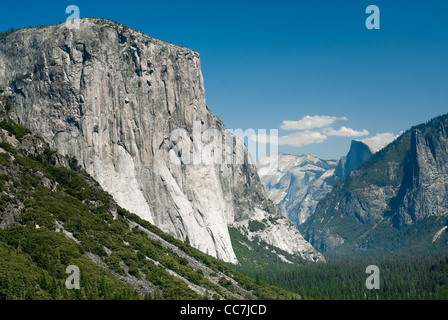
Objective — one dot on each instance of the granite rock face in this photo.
(112, 97)
(424, 189)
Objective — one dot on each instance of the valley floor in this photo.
(421, 277)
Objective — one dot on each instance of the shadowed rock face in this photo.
(358, 154)
(424, 189)
(111, 97)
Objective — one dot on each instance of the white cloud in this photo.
(302, 138)
(310, 122)
(264, 138)
(296, 139)
(303, 134)
(378, 142)
(345, 132)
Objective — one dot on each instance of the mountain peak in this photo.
(358, 154)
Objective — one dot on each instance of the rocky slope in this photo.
(122, 103)
(397, 200)
(279, 233)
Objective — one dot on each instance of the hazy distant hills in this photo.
(298, 183)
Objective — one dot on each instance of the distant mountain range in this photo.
(299, 182)
(395, 201)
(392, 200)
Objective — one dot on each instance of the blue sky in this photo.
(267, 62)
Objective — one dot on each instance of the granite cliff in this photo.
(112, 98)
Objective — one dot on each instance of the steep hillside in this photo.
(396, 201)
(53, 214)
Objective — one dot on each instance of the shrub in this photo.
(14, 129)
(255, 225)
